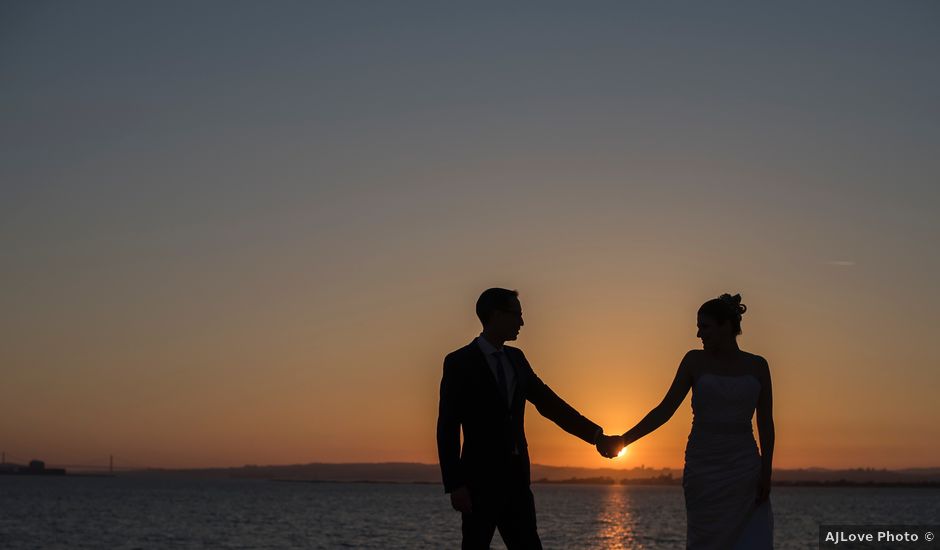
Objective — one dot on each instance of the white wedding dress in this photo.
(722, 467)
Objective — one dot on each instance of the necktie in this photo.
(501, 375)
(503, 387)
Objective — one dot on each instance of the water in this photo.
(126, 513)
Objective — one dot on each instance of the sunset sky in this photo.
(246, 232)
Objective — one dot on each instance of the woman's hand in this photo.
(763, 489)
(609, 446)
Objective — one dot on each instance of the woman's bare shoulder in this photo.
(757, 362)
(693, 360)
(754, 358)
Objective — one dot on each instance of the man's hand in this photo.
(609, 446)
(460, 500)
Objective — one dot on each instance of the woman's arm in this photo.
(680, 387)
(765, 429)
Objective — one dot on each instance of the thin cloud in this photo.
(841, 263)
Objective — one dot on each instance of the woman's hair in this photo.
(725, 308)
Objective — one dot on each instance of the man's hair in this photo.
(493, 299)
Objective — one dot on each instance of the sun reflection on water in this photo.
(616, 522)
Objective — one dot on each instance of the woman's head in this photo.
(719, 319)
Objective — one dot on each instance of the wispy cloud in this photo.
(840, 263)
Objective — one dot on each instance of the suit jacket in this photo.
(493, 430)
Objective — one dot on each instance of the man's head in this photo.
(501, 313)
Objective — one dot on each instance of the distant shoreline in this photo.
(429, 474)
(403, 472)
(648, 482)
(631, 483)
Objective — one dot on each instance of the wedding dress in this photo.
(722, 467)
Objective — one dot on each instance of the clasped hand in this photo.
(609, 446)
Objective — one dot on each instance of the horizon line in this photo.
(435, 465)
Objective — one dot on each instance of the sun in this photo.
(623, 452)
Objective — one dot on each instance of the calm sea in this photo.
(127, 512)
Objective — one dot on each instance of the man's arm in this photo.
(448, 428)
(556, 409)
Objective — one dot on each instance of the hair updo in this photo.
(725, 308)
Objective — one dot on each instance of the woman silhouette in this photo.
(725, 480)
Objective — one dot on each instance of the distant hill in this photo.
(860, 475)
(406, 472)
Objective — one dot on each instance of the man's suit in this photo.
(494, 462)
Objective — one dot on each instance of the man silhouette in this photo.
(483, 390)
